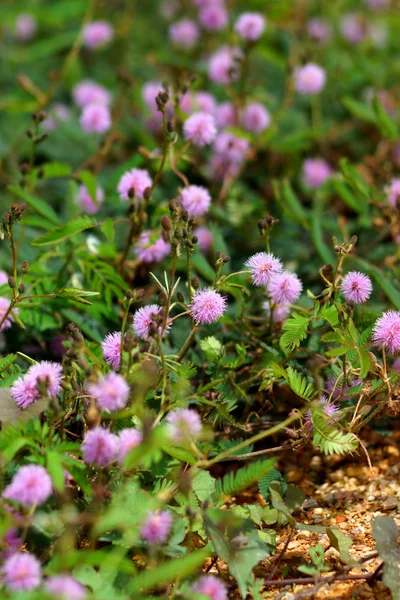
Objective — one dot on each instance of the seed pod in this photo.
(166, 224)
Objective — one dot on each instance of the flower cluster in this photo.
(42, 379)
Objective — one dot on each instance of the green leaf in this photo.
(290, 202)
(89, 181)
(211, 347)
(56, 169)
(295, 330)
(41, 207)
(329, 439)
(359, 110)
(75, 294)
(340, 351)
(108, 229)
(317, 234)
(385, 533)
(56, 470)
(243, 478)
(186, 371)
(203, 485)
(386, 124)
(63, 232)
(342, 543)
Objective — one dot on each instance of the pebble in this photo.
(390, 504)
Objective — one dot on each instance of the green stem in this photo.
(187, 344)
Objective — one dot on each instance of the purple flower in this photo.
(135, 181)
(25, 27)
(149, 251)
(24, 391)
(330, 409)
(200, 129)
(184, 425)
(195, 200)
(223, 65)
(156, 528)
(128, 438)
(4, 306)
(87, 202)
(205, 102)
(352, 29)
(393, 192)
(3, 278)
(285, 288)
(338, 389)
(256, 118)
(100, 447)
(111, 346)
(31, 485)
(309, 79)
(42, 379)
(97, 33)
(57, 113)
(250, 26)
(111, 392)
(315, 172)
(319, 30)
(225, 115)
(144, 318)
(184, 34)
(231, 147)
(22, 571)
(207, 306)
(263, 267)
(280, 312)
(205, 238)
(213, 17)
(65, 587)
(88, 92)
(211, 586)
(386, 332)
(356, 287)
(95, 118)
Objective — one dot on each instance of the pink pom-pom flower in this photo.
(309, 79)
(111, 346)
(134, 182)
(386, 332)
(256, 118)
(225, 115)
(315, 172)
(100, 447)
(250, 26)
(200, 129)
(31, 485)
(207, 306)
(149, 250)
(156, 528)
(195, 200)
(143, 320)
(65, 587)
(223, 65)
(352, 29)
(393, 192)
(263, 266)
(42, 379)
(86, 201)
(319, 30)
(280, 312)
(128, 438)
(89, 92)
(285, 288)
(205, 238)
(184, 425)
(184, 34)
(97, 33)
(212, 587)
(95, 118)
(356, 287)
(22, 572)
(213, 16)
(111, 392)
(25, 27)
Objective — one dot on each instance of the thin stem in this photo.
(187, 344)
(164, 155)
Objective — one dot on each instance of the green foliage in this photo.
(328, 438)
(385, 533)
(295, 331)
(242, 479)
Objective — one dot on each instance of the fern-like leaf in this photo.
(295, 330)
(329, 439)
(242, 479)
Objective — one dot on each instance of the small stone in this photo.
(371, 498)
(309, 503)
(390, 504)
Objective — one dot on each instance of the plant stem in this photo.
(187, 344)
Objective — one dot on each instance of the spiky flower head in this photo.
(111, 346)
(86, 201)
(256, 118)
(31, 485)
(315, 172)
(184, 425)
(386, 332)
(97, 34)
(65, 587)
(95, 118)
(100, 447)
(111, 392)
(207, 306)
(263, 267)
(128, 438)
(89, 92)
(156, 528)
(285, 288)
(145, 318)
(213, 16)
(184, 33)
(212, 587)
(250, 26)
(22, 572)
(42, 379)
(309, 79)
(200, 128)
(356, 287)
(195, 199)
(134, 182)
(223, 65)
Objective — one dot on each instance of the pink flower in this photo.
(156, 528)
(200, 129)
(149, 251)
(4, 306)
(65, 587)
(128, 438)
(225, 115)
(330, 409)
(207, 306)
(231, 147)
(100, 447)
(150, 91)
(135, 182)
(285, 288)
(184, 425)
(263, 266)
(223, 65)
(144, 318)
(250, 26)
(211, 586)
(57, 113)
(213, 17)
(222, 166)
(356, 287)
(95, 118)
(111, 346)
(25, 27)
(315, 172)
(319, 30)
(12, 542)
(111, 392)
(31, 485)
(352, 29)
(393, 192)
(49, 374)
(205, 102)
(309, 79)
(205, 238)
(280, 312)
(184, 34)
(378, 4)
(21, 572)
(24, 391)
(195, 200)
(87, 202)
(386, 332)
(396, 364)
(88, 92)
(256, 118)
(97, 33)
(3, 278)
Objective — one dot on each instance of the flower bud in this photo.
(180, 297)
(11, 282)
(195, 239)
(353, 240)
(25, 267)
(195, 283)
(21, 288)
(166, 224)
(147, 193)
